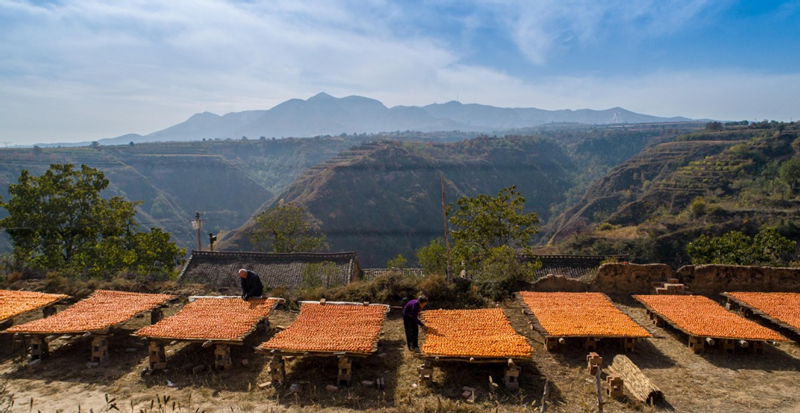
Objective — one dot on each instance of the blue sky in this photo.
(84, 70)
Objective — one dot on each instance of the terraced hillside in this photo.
(709, 182)
(384, 198)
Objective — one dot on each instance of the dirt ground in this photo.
(712, 382)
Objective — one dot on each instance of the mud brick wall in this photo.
(559, 283)
(611, 279)
(629, 278)
(699, 279)
(712, 279)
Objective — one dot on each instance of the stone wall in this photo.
(713, 279)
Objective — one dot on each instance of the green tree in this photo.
(501, 272)
(59, 221)
(484, 222)
(698, 207)
(731, 248)
(735, 248)
(770, 248)
(433, 257)
(490, 232)
(790, 173)
(397, 262)
(287, 228)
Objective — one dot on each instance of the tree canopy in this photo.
(768, 247)
(484, 222)
(287, 228)
(59, 221)
(789, 173)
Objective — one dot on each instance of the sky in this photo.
(84, 70)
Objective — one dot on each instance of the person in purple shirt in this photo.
(411, 321)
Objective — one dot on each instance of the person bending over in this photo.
(411, 321)
(251, 284)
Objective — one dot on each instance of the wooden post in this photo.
(629, 344)
(449, 270)
(551, 343)
(614, 389)
(590, 344)
(599, 391)
(222, 357)
(544, 395)
(595, 362)
(39, 348)
(263, 325)
(48, 311)
(635, 381)
(425, 372)
(156, 315)
(277, 369)
(728, 345)
(511, 377)
(696, 344)
(157, 355)
(657, 321)
(345, 371)
(756, 347)
(99, 348)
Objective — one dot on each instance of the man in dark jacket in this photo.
(251, 284)
(411, 321)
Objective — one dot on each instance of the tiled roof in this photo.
(370, 273)
(294, 270)
(570, 266)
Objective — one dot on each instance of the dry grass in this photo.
(624, 233)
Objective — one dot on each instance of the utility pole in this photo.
(197, 225)
(446, 237)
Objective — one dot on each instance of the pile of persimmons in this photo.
(13, 303)
(580, 315)
(484, 333)
(700, 316)
(331, 328)
(100, 311)
(229, 319)
(784, 307)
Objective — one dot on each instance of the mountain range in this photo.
(324, 114)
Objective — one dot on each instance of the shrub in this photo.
(393, 288)
(698, 207)
(14, 277)
(607, 226)
(503, 273)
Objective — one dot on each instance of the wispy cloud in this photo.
(96, 69)
(543, 27)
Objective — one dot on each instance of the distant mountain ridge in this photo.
(324, 114)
